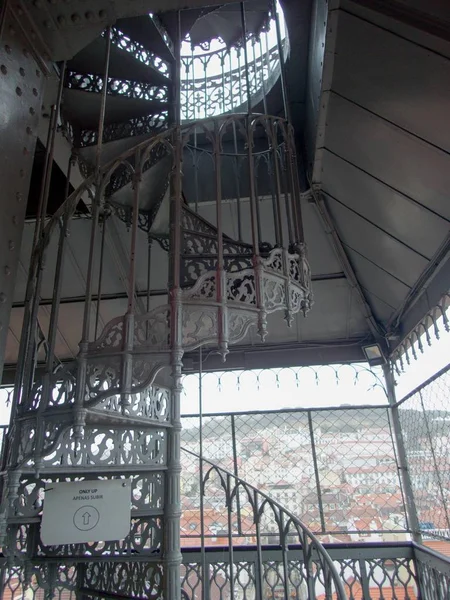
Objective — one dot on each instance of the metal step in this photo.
(152, 189)
(187, 19)
(111, 150)
(145, 31)
(83, 108)
(123, 64)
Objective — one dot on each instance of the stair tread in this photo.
(153, 184)
(188, 18)
(123, 65)
(226, 22)
(143, 30)
(83, 108)
(111, 150)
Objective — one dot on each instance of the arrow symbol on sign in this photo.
(86, 518)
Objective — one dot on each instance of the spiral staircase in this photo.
(114, 412)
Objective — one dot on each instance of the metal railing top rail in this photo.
(423, 553)
(287, 410)
(400, 549)
(423, 385)
(341, 594)
(143, 150)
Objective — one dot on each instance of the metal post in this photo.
(259, 565)
(401, 454)
(205, 578)
(149, 271)
(276, 170)
(128, 322)
(49, 153)
(196, 156)
(25, 366)
(236, 178)
(172, 496)
(263, 83)
(235, 470)
(230, 533)
(244, 44)
(294, 188)
(220, 273)
(316, 471)
(90, 270)
(282, 65)
(57, 286)
(100, 274)
(101, 121)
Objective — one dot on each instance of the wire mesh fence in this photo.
(425, 420)
(335, 469)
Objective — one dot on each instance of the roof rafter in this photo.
(315, 194)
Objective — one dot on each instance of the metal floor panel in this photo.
(84, 108)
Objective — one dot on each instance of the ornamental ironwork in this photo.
(115, 410)
(206, 95)
(116, 87)
(150, 59)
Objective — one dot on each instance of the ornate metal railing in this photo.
(215, 83)
(247, 512)
(122, 41)
(114, 411)
(257, 569)
(117, 87)
(381, 570)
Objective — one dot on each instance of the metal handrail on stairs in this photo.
(254, 506)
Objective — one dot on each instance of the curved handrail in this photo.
(143, 149)
(291, 518)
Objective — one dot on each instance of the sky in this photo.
(300, 387)
(307, 387)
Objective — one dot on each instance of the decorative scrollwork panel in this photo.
(131, 579)
(122, 41)
(110, 447)
(200, 326)
(152, 404)
(116, 87)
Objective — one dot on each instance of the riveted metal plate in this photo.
(21, 88)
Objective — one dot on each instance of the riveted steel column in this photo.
(405, 478)
(21, 90)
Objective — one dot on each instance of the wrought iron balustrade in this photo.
(122, 41)
(379, 571)
(247, 512)
(117, 87)
(214, 83)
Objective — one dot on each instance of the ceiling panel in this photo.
(386, 292)
(388, 153)
(383, 250)
(412, 91)
(398, 215)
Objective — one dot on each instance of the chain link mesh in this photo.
(425, 419)
(335, 469)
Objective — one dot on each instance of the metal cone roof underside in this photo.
(374, 128)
